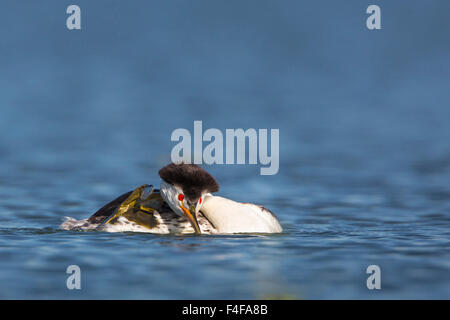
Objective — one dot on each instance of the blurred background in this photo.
(364, 144)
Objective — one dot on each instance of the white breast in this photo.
(229, 216)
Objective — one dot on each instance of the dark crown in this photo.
(191, 178)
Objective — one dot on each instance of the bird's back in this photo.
(139, 210)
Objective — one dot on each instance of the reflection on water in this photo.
(364, 154)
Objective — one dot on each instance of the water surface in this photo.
(364, 145)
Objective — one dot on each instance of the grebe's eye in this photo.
(200, 201)
(180, 197)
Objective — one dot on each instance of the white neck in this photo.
(229, 216)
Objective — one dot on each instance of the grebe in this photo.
(183, 204)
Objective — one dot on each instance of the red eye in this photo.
(180, 197)
(200, 201)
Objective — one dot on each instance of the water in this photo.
(364, 153)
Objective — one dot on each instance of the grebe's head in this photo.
(184, 187)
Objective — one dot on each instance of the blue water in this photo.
(364, 145)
